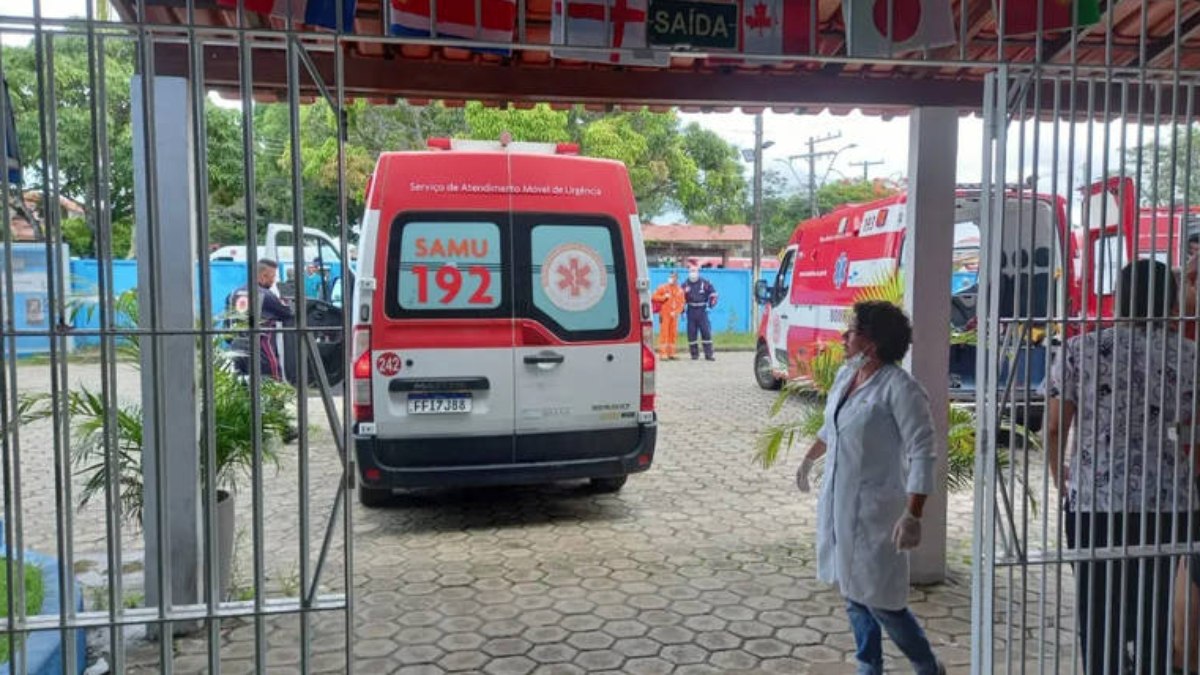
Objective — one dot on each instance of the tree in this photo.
(73, 132)
(1156, 160)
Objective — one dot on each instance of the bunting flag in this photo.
(456, 19)
(321, 13)
(776, 26)
(619, 24)
(1021, 16)
(914, 24)
(13, 161)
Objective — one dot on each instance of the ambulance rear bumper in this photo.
(504, 460)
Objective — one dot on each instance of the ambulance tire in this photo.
(373, 498)
(608, 485)
(762, 370)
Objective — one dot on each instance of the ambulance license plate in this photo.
(438, 404)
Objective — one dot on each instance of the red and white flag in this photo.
(914, 24)
(776, 26)
(619, 24)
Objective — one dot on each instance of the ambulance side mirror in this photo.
(762, 293)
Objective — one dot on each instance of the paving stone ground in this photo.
(704, 564)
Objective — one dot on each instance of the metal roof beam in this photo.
(1165, 45)
(375, 78)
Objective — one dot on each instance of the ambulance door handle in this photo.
(545, 359)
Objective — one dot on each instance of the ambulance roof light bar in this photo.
(505, 144)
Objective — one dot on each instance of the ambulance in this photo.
(502, 325)
(831, 260)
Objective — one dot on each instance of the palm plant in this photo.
(777, 439)
(89, 422)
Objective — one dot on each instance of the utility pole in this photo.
(866, 164)
(757, 219)
(812, 156)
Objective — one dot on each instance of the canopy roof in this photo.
(385, 68)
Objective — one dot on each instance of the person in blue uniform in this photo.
(700, 297)
(272, 312)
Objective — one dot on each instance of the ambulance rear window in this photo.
(447, 267)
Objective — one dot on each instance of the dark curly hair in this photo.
(886, 326)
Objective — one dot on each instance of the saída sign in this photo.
(710, 25)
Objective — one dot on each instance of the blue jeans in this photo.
(904, 630)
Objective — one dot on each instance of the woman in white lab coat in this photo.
(878, 443)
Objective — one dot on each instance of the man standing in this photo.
(700, 297)
(668, 302)
(271, 313)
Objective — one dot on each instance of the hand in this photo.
(906, 535)
(712, 303)
(802, 476)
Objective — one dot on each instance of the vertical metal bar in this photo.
(255, 334)
(150, 230)
(100, 208)
(983, 543)
(299, 337)
(58, 375)
(13, 537)
(348, 295)
(210, 495)
(1060, 523)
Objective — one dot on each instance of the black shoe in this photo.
(695, 358)
(710, 358)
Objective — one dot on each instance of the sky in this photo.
(862, 138)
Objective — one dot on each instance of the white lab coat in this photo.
(880, 449)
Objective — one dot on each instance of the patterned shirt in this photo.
(1129, 392)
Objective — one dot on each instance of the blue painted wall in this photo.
(31, 306)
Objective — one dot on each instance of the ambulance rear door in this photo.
(443, 348)
(578, 359)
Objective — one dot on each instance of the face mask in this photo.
(693, 276)
(855, 362)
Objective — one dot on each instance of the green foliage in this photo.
(94, 426)
(672, 167)
(78, 236)
(539, 124)
(73, 101)
(1154, 162)
(35, 594)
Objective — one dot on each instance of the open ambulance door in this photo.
(323, 276)
(1109, 213)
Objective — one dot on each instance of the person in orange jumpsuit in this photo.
(668, 299)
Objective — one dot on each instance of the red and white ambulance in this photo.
(502, 326)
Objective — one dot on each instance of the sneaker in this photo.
(710, 358)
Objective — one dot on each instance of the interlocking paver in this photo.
(706, 554)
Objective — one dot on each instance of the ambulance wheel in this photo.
(608, 485)
(373, 497)
(763, 372)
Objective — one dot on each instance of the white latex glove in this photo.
(802, 476)
(907, 532)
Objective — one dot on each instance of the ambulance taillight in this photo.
(360, 391)
(648, 365)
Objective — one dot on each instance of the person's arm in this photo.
(274, 309)
(1060, 410)
(815, 451)
(1060, 416)
(1189, 292)
(910, 409)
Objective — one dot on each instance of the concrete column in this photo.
(932, 153)
(166, 251)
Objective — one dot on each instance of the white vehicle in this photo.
(502, 327)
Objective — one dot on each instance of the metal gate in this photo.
(159, 478)
(1085, 315)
